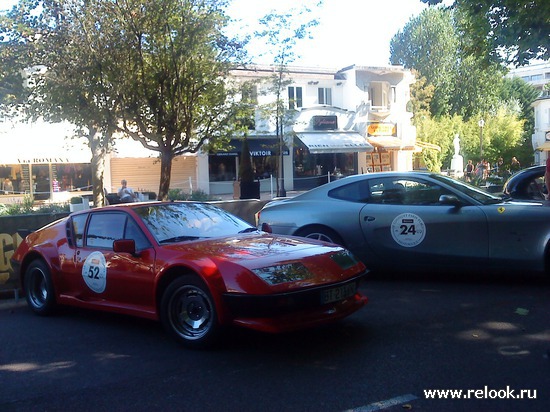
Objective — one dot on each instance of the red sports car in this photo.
(193, 266)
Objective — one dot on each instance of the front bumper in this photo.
(296, 309)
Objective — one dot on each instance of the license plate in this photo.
(338, 293)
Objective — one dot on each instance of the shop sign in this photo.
(39, 160)
(261, 153)
(325, 122)
(382, 129)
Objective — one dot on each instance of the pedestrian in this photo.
(499, 167)
(126, 194)
(487, 169)
(7, 185)
(469, 171)
(515, 165)
(480, 169)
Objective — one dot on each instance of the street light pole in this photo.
(282, 190)
(481, 123)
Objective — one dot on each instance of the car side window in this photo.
(423, 193)
(536, 188)
(134, 232)
(354, 192)
(104, 229)
(401, 191)
(79, 223)
(386, 190)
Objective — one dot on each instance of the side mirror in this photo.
(125, 246)
(450, 200)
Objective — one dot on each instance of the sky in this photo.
(349, 31)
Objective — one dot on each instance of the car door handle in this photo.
(368, 218)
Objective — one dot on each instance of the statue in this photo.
(457, 162)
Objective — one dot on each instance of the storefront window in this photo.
(311, 170)
(265, 166)
(43, 179)
(222, 168)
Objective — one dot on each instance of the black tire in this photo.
(322, 233)
(188, 313)
(39, 290)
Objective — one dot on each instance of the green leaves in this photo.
(510, 31)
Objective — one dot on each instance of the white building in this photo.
(346, 121)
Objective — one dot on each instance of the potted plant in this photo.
(250, 189)
(77, 203)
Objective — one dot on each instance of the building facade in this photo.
(337, 122)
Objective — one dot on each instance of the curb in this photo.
(6, 304)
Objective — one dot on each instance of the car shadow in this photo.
(466, 278)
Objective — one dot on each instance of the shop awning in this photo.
(389, 143)
(258, 147)
(334, 142)
(42, 143)
(545, 146)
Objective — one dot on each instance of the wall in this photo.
(10, 238)
(143, 174)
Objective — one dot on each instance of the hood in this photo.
(258, 249)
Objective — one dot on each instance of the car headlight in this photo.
(344, 259)
(288, 272)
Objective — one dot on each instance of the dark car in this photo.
(191, 265)
(527, 184)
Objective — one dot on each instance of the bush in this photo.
(196, 195)
(25, 207)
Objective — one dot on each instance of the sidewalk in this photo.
(11, 302)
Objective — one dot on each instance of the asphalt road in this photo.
(489, 336)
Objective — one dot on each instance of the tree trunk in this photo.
(98, 166)
(165, 173)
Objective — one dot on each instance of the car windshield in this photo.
(177, 222)
(469, 190)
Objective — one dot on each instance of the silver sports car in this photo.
(418, 221)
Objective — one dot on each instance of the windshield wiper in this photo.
(179, 239)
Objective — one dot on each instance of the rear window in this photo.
(353, 192)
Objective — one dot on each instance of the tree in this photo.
(513, 31)
(175, 96)
(518, 95)
(421, 96)
(73, 84)
(281, 32)
(502, 134)
(430, 43)
(154, 70)
(12, 91)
